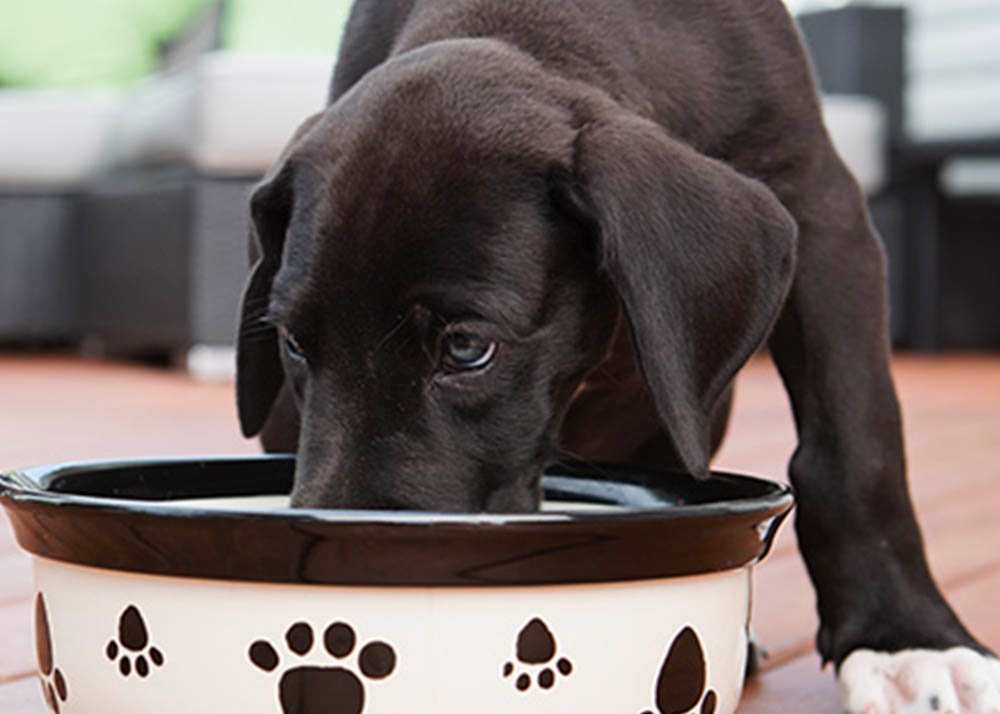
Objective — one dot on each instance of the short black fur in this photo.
(626, 199)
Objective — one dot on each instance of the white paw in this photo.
(955, 681)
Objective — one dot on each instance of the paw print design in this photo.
(53, 681)
(681, 683)
(309, 689)
(130, 647)
(536, 649)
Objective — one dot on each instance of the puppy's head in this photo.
(439, 257)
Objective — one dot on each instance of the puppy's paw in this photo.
(955, 681)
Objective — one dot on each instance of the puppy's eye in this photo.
(466, 351)
(290, 343)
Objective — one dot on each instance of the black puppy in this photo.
(528, 229)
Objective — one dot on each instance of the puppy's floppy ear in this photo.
(701, 256)
(258, 364)
(259, 374)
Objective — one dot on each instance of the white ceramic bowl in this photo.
(186, 586)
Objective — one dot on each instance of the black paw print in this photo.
(53, 681)
(133, 637)
(536, 647)
(308, 689)
(681, 683)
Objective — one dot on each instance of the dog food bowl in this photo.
(189, 586)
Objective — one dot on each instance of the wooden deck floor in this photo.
(57, 409)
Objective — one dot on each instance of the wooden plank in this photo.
(963, 541)
(952, 418)
(784, 610)
(73, 410)
(978, 604)
(962, 533)
(951, 413)
(15, 577)
(7, 543)
(761, 434)
(800, 686)
(17, 646)
(22, 696)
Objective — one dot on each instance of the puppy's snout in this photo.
(399, 490)
(350, 489)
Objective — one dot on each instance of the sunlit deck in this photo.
(62, 408)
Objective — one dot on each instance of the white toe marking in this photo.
(955, 681)
(862, 683)
(975, 681)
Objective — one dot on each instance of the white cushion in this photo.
(858, 127)
(230, 113)
(971, 177)
(156, 124)
(52, 138)
(952, 88)
(953, 107)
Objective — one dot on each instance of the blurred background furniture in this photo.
(165, 220)
(123, 220)
(124, 178)
(933, 65)
(63, 67)
(50, 145)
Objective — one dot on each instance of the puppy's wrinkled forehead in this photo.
(431, 171)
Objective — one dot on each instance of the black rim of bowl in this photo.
(111, 515)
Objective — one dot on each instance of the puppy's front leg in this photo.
(855, 521)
